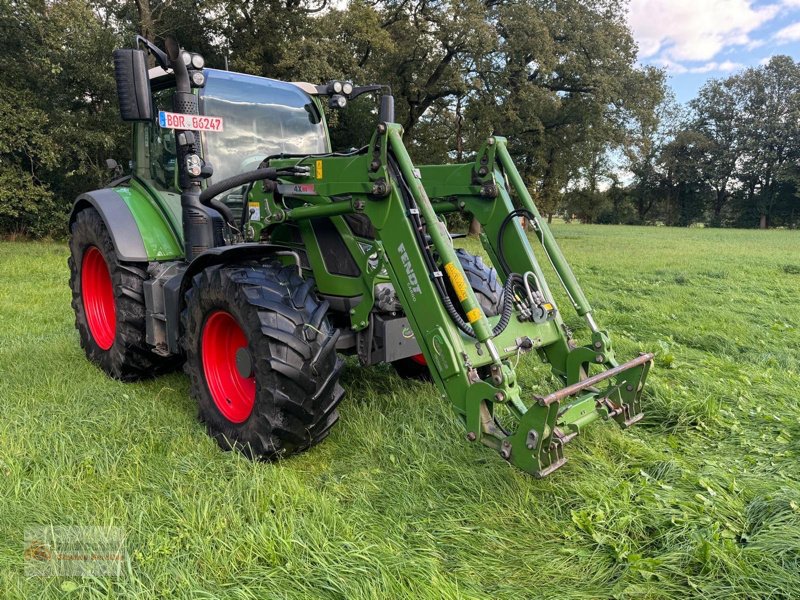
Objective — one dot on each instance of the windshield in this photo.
(261, 117)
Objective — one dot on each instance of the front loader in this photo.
(244, 247)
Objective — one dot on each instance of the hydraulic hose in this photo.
(207, 196)
(221, 208)
(519, 212)
(231, 182)
(508, 306)
(505, 313)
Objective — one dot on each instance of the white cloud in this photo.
(672, 67)
(725, 66)
(790, 33)
(756, 44)
(692, 30)
(676, 68)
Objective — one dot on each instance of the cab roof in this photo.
(161, 79)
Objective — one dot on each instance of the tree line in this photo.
(596, 136)
(729, 158)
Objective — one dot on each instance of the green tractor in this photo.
(243, 247)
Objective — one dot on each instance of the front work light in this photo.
(337, 101)
(198, 62)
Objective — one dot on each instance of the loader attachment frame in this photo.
(469, 355)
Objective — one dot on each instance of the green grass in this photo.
(701, 500)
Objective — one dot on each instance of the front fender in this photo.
(176, 287)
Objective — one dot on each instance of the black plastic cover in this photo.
(133, 85)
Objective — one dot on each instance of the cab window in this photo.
(161, 143)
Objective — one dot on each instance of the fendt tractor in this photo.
(243, 247)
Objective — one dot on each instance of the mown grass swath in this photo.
(701, 500)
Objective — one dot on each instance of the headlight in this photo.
(198, 78)
(198, 62)
(347, 88)
(337, 101)
(186, 58)
(337, 87)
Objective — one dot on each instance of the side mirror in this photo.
(114, 167)
(133, 85)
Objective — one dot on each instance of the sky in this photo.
(697, 40)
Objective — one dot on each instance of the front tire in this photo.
(108, 300)
(261, 358)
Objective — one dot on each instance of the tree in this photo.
(718, 109)
(684, 179)
(770, 131)
(647, 135)
(60, 119)
(560, 84)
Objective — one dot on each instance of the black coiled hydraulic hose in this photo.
(519, 212)
(505, 313)
(508, 304)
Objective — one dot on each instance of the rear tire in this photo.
(108, 300)
(261, 358)
(489, 292)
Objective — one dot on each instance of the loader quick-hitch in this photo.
(261, 270)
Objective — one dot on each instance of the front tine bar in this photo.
(538, 444)
(573, 389)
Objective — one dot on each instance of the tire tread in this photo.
(297, 368)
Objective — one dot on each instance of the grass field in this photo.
(701, 500)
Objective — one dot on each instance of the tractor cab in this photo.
(260, 118)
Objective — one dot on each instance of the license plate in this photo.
(169, 120)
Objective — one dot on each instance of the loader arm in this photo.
(471, 356)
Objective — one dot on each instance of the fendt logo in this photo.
(413, 284)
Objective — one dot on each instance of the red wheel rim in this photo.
(420, 359)
(233, 394)
(97, 292)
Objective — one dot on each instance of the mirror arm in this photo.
(159, 55)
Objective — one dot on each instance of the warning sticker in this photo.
(255, 211)
(318, 169)
(457, 279)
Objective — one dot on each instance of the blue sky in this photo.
(696, 40)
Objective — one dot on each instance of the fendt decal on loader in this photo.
(226, 250)
(413, 285)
